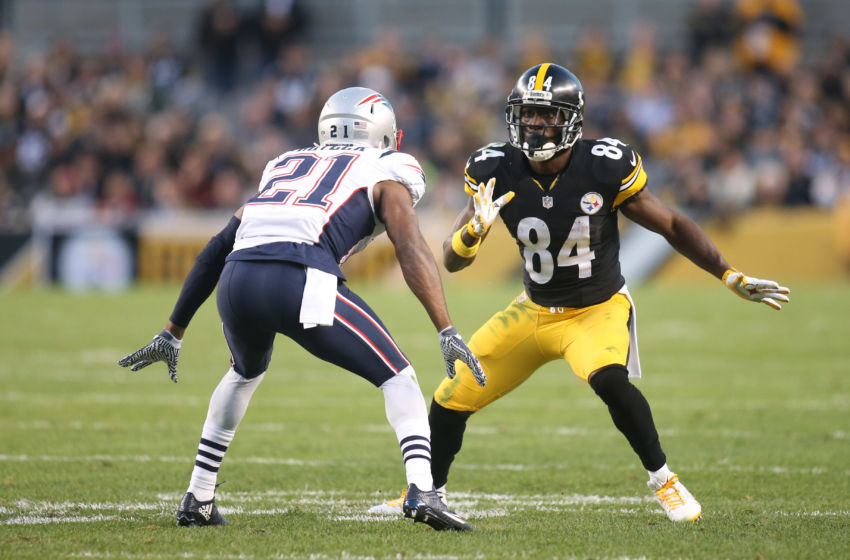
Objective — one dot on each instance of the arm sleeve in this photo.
(201, 280)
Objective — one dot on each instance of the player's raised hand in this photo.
(486, 209)
(165, 347)
(755, 289)
(454, 348)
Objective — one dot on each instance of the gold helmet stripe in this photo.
(541, 76)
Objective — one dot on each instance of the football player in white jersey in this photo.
(276, 264)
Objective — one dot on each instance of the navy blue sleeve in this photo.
(201, 280)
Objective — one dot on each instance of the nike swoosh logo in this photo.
(634, 158)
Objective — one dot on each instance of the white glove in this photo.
(165, 347)
(755, 289)
(486, 209)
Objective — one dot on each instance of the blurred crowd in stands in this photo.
(735, 118)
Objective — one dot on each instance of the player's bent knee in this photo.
(462, 392)
(443, 414)
(611, 383)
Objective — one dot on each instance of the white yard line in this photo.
(480, 429)
(510, 467)
(830, 404)
(286, 461)
(337, 506)
(343, 555)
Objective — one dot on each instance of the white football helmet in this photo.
(359, 115)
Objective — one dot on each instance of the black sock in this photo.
(447, 427)
(631, 414)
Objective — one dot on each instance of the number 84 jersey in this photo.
(565, 225)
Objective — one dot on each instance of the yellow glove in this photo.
(755, 289)
(486, 209)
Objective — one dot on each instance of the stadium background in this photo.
(129, 130)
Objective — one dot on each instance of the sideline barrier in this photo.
(791, 245)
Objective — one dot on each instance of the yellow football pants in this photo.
(515, 342)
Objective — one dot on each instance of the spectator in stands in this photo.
(275, 25)
(68, 118)
(767, 34)
(220, 30)
(710, 26)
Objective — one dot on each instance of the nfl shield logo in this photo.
(548, 201)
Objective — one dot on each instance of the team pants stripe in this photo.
(371, 332)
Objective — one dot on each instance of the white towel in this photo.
(319, 300)
(633, 364)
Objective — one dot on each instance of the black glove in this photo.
(454, 348)
(165, 347)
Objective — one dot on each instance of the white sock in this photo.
(661, 476)
(408, 415)
(228, 404)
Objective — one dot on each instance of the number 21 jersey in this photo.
(315, 206)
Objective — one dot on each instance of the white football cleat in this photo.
(678, 503)
(390, 507)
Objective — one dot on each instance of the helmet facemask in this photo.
(535, 138)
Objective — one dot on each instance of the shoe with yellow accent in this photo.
(678, 503)
(390, 507)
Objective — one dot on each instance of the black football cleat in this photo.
(426, 507)
(193, 513)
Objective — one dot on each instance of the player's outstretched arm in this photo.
(199, 284)
(690, 240)
(395, 209)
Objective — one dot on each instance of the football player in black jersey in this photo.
(558, 195)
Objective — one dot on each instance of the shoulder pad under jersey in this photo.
(617, 164)
(405, 169)
(483, 163)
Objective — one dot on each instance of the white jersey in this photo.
(316, 206)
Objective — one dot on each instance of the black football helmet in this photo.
(545, 85)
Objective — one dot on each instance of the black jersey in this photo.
(565, 225)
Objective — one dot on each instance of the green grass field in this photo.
(753, 407)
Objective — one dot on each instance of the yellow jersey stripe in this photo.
(541, 76)
(637, 184)
(470, 186)
(634, 171)
(627, 182)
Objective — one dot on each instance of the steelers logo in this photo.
(591, 203)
